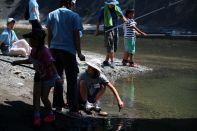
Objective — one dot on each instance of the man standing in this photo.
(64, 41)
(109, 15)
(34, 15)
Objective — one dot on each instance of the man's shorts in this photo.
(129, 45)
(111, 41)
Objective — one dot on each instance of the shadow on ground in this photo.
(18, 115)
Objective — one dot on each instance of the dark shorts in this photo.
(91, 97)
(111, 40)
(4, 49)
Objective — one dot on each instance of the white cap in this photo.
(10, 20)
(74, 1)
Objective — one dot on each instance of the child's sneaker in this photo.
(49, 118)
(89, 106)
(124, 62)
(131, 64)
(112, 65)
(37, 121)
(96, 107)
(106, 63)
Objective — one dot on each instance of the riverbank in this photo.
(16, 90)
(152, 95)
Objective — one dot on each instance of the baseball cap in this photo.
(74, 1)
(11, 20)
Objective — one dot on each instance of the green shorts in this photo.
(129, 45)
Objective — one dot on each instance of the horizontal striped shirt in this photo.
(129, 31)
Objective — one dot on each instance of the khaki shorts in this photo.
(111, 41)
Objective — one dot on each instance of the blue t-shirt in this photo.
(32, 14)
(63, 23)
(113, 15)
(8, 37)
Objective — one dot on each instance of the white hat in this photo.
(94, 64)
(10, 20)
(111, 2)
(74, 1)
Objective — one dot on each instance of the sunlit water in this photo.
(170, 91)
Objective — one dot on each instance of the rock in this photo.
(20, 84)
(22, 76)
(17, 72)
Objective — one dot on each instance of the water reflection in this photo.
(128, 90)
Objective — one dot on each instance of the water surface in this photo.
(170, 91)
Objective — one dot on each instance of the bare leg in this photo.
(111, 56)
(45, 97)
(100, 94)
(83, 91)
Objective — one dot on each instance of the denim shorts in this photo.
(51, 82)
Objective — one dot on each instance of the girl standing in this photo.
(45, 74)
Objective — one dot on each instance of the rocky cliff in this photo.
(165, 17)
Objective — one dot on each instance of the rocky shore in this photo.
(16, 89)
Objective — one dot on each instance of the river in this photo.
(168, 92)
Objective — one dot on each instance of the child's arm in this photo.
(124, 19)
(113, 89)
(139, 32)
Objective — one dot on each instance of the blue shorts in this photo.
(51, 82)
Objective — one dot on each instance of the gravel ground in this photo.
(16, 89)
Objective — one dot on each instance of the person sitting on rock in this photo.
(92, 84)
(10, 44)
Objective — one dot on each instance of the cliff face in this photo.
(181, 16)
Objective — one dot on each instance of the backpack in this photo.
(26, 15)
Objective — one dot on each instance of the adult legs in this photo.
(35, 24)
(58, 99)
(111, 46)
(71, 71)
(115, 39)
(66, 61)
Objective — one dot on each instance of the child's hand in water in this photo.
(120, 105)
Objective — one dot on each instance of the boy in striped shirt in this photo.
(130, 31)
